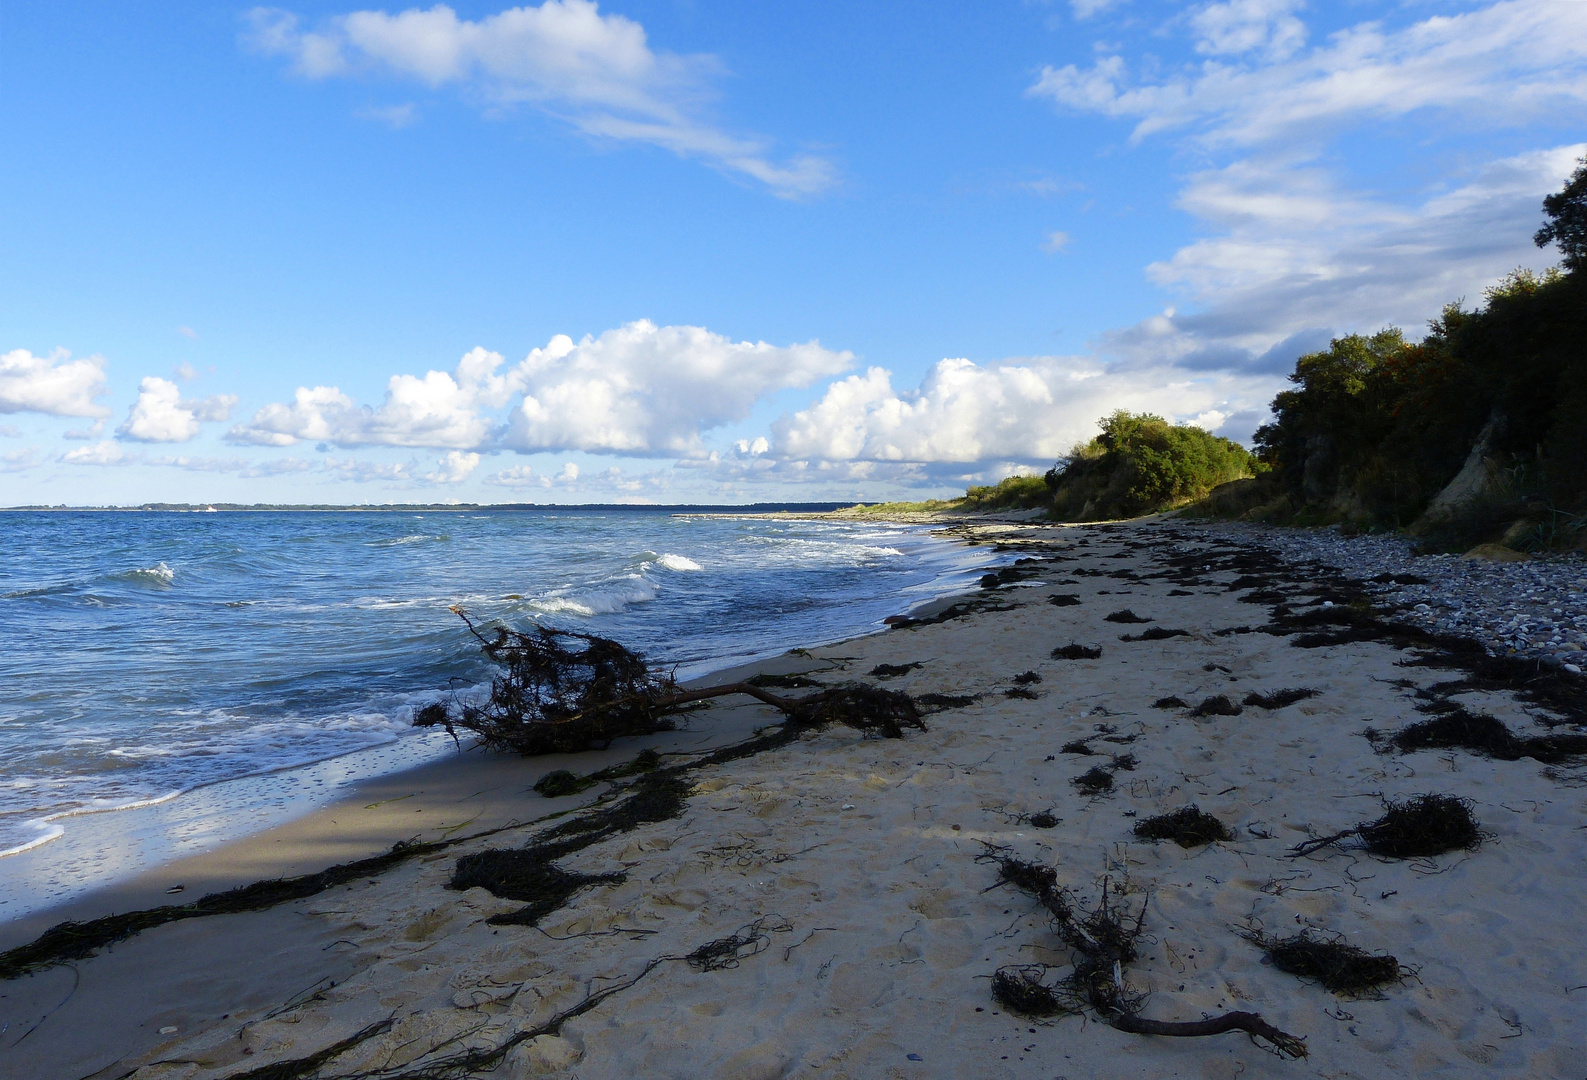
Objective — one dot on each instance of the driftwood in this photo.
(560, 691)
(1103, 940)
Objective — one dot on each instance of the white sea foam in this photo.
(159, 573)
(52, 832)
(678, 562)
(416, 538)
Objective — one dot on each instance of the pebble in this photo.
(1536, 608)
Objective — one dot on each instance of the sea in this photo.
(171, 681)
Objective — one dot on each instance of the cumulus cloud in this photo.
(107, 452)
(639, 389)
(54, 384)
(161, 414)
(1055, 242)
(648, 390)
(1499, 65)
(440, 409)
(19, 460)
(363, 472)
(522, 476)
(965, 413)
(454, 467)
(597, 72)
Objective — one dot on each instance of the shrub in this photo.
(1140, 464)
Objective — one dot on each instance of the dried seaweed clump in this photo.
(1075, 651)
(1026, 678)
(1077, 746)
(939, 702)
(1064, 599)
(1189, 827)
(1020, 989)
(865, 708)
(1098, 780)
(560, 782)
(1125, 616)
(1278, 699)
(892, 671)
(1329, 960)
(1216, 705)
(524, 875)
(1174, 702)
(725, 953)
(1485, 734)
(1155, 633)
(1103, 938)
(1420, 827)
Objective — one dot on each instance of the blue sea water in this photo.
(152, 656)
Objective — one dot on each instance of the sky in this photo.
(679, 251)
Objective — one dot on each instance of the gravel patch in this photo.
(1536, 608)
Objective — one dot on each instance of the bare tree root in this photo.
(1104, 940)
(562, 692)
(1248, 1022)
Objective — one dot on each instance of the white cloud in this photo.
(395, 117)
(188, 332)
(54, 384)
(161, 415)
(184, 371)
(1055, 242)
(639, 389)
(1502, 64)
(1298, 261)
(362, 472)
(1243, 26)
(440, 409)
(522, 476)
(1029, 410)
(240, 466)
(1084, 9)
(597, 72)
(19, 460)
(100, 453)
(648, 390)
(454, 467)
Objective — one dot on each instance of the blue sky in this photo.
(687, 250)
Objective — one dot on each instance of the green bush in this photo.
(1140, 464)
(1014, 492)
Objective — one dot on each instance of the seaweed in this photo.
(1279, 698)
(867, 709)
(1024, 692)
(1043, 819)
(1463, 730)
(560, 782)
(1076, 651)
(1188, 827)
(1331, 961)
(1420, 827)
(892, 671)
(1064, 600)
(1103, 940)
(785, 682)
(1216, 705)
(726, 953)
(294, 1068)
(1026, 678)
(1019, 989)
(1077, 746)
(1156, 633)
(1180, 592)
(1171, 703)
(69, 941)
(939, 702)
(524, 875)
(1098, 780)
(1125, 616)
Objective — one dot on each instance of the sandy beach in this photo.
(832, 906)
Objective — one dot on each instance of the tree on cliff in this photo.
(1567, 220)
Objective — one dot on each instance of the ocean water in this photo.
(220, 665)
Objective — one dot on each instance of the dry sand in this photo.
(858, 866)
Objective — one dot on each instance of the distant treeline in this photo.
(1476, 433)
